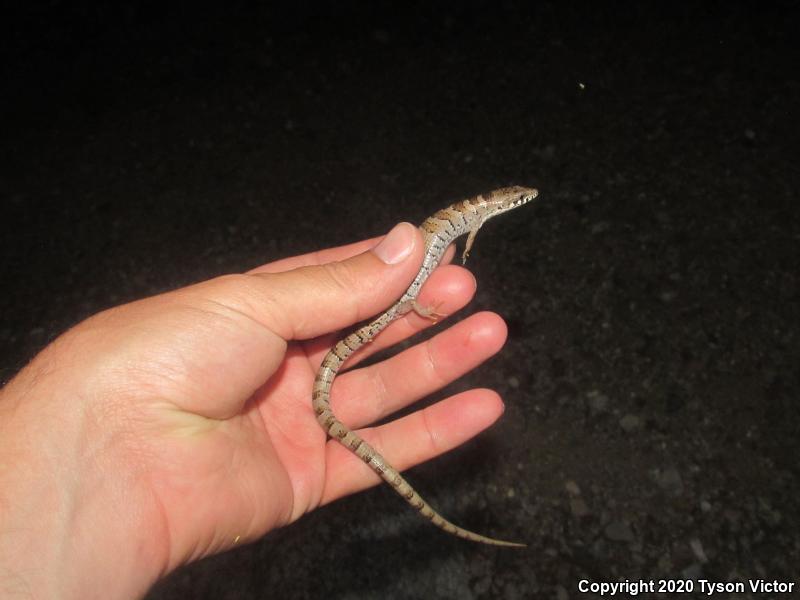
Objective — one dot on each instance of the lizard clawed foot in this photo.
(428, 312)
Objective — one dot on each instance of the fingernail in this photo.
(396, 246)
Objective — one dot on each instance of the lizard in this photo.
(438, 231)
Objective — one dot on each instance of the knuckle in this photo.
(430, 431)
(341, 276)
(379, 394)
(431, 365)
(343, 283)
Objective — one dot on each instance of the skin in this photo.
(168, 429)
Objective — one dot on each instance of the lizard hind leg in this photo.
(470, 241)
(389, 474)
(426, 312)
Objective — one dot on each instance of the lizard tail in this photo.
(389, 474)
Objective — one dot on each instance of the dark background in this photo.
(651, 375)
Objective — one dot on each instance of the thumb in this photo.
(310, 301)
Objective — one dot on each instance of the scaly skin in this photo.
(439, 231)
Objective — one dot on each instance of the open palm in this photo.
(215, 419)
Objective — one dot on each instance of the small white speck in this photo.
(697, 549)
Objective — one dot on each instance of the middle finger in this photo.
(365, 395)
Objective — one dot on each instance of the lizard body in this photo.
(438, 231)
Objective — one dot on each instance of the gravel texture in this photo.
(652, 295)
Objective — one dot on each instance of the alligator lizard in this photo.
(438, 231)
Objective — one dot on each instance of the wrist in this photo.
(74, 522)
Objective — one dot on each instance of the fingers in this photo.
(449, 288)
(310, 301)
(366, 395)
(411, 440)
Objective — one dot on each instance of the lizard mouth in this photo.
(525, 198)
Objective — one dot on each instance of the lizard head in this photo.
(504, 199)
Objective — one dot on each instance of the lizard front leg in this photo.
(470, 241)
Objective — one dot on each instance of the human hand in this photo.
(164, 430)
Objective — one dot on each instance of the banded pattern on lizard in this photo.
(439, 231)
